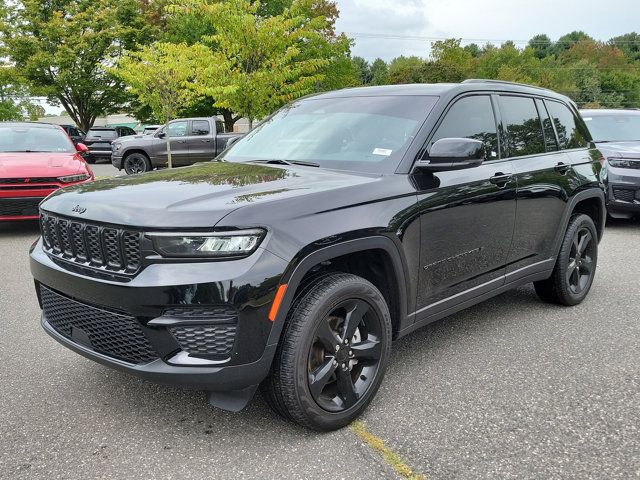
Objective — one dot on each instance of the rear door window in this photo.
(571, 132)
(524, 130)
(471, 117)
(200, 127)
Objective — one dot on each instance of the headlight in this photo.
(116, 146)
(74, 178)
(237, 243)
(624, 163)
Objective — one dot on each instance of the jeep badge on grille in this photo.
(79, 209)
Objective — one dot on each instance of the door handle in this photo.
(205, 141)
(562, 168)
(182, 141)
(501, 179)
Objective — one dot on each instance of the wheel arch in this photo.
(321, 260)
(590, 202)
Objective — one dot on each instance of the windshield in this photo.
(106, 134)
(617, 127)
(355, 133)
(24, 138)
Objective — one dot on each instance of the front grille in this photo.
(205, 340)
(624, 194)
(91, 245)
(112, 334)
(27, 180)
(19, 207)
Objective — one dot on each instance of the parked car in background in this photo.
(617, 135)
(75, 134)
(35, 160)
(98, 140)
(344, 221)
(151, 129)
(192, 140)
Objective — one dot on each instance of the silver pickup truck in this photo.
(192, 140)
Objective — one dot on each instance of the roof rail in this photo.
(504, 82)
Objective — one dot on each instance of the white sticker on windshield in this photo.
(587, 119)
(382, 151)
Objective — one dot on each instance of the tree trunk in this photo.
(229, 119)
(250, 123)
(168, 139)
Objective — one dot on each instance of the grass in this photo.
(390, 457)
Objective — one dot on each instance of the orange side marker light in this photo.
(276, 302)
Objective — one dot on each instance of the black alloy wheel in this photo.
(345, 355)
(333, 352)
(575, 267)
(580, 267)
(136, 163)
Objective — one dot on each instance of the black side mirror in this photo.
(161, 135)
(453, 154)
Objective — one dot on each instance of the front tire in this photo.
(136, 163)
(333, 354)
(575, 267)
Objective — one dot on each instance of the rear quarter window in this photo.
(571, 131)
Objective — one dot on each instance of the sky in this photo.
(373, 23)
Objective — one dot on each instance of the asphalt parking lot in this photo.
(512, 388)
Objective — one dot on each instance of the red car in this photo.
(35, 160)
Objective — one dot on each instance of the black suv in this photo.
(342, 222)
(99, 139)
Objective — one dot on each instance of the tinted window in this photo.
(524, 130)
(355, 133)
(105, 134)
(471, 117)
(220, 126)
(570, 134)
(200, 127)
(25, 138)
(177, 129)
(547, 127)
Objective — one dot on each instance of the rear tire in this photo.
(575, 267)
(136, 163)
(333, 353)
(90, 159)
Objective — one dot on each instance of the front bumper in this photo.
(246, 287)
(623, 191)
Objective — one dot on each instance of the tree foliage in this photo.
(596, 74)
(64, 48)
(255, 64)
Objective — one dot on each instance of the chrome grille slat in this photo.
(87, 244)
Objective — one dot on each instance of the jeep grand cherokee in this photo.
(342, 222)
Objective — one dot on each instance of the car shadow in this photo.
(21, 227)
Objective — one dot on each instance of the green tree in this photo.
(256, 64)
(363, 70)
(379, 72)
(629, 43)
(64, 48)
(541, 45)
(406, 70)
(161, 76)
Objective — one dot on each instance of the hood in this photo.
(196, 196)
(39, 164)
(630, 149)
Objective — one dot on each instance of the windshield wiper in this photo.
(279, 161)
